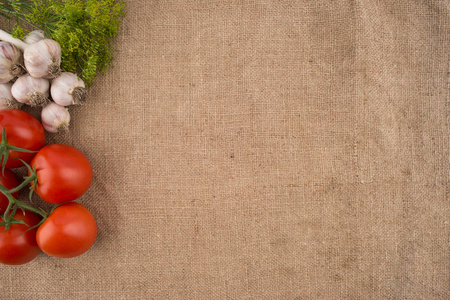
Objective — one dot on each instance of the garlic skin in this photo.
(42, 59)
(55, 118)
(68, 89)
(10, 62)
(31, 91)
(34, 37)
(6, 98)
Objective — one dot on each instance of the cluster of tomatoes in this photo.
(58, 174)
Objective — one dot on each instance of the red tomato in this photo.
(17, 247)
(63, 173)
(69, 231)
(9, 181)
(23, 131)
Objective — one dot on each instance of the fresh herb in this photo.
(83, 28)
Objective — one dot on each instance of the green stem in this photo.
(5, 147)
(7, 12)
(14, 203)
(5, 15)
(23, 184)
(31, 208)
(23, 17)
(8, 209)
(21, 205)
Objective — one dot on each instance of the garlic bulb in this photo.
(6, 98)
(43, 59)
(30, 90)
(10, 62)
(55, 118)
(68, 89)
(34, 37)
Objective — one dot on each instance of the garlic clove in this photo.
(31, 91)
(43, 59)
(10, 52)
(34, 37)
(10, 62)
(68, 89)
(6, 98)
(55, 118)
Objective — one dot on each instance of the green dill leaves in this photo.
(83, 28)
(19, 32)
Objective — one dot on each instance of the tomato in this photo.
(9, 181)
(23, 131)
(17, 247)
(69, 231)
(63, 173)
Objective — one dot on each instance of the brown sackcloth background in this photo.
(264, 150)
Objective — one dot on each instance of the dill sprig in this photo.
(83, 28)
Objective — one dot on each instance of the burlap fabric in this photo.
(264, 150)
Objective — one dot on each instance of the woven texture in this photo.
(264, 149)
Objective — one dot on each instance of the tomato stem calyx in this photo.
(30, 178)
(5, 148)
(14, 204)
